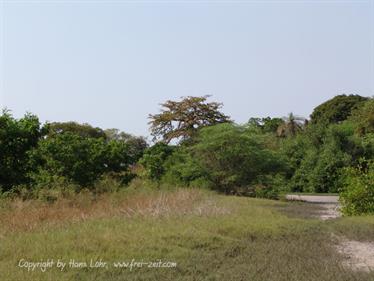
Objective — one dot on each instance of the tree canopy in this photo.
(266, 125)
(336, 109)
(17, 138)
(83, 130)
(181, 119)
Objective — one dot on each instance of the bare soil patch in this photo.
(329, 211)
(358, 256)
(327, 206)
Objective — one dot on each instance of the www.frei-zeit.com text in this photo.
(45, 265)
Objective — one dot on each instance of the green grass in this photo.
(232, 238)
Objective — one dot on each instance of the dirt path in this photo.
(358, 256)
(321, 199)
(329, 204)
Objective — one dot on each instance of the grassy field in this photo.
(207, 236)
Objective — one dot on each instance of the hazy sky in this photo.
(110, 63)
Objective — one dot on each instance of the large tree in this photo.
(181, 119)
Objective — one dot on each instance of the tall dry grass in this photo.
(19, 215)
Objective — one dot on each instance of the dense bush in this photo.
(234, 158)
(256, 160)
(35, 157)
(337, 150)
(79, 159)
(136, 145)
(154, 158)
(261, 158)
(181, 168)
(336, 109)
(317, 155)
(357, 196)
(17, 138)
(83, 130)
(363, 118)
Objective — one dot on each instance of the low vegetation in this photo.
(208, 236)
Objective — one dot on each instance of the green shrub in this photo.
(363, 118)
(357, 194)
(109, 182)
(181, 168)
(154, 158)
(48, 189)
(263, 191)
(17, 138)
(80, 160)
(316, 162)
(234, 157)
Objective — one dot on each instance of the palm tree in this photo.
(291, 126)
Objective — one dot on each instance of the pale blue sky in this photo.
(110, 63)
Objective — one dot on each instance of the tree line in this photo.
(197, 145)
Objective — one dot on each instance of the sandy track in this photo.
(321, 199)
(357, 255)
(329, 204)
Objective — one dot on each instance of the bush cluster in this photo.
(357, 196)
(58, 156)
(333, 152)
(268, 156)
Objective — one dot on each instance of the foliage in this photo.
(316, 165)
(357, 196)
(17, 137)
(79, 159)
(136, 145)
(363, 118)
(111, 182)
(154, 158)
(261, 158)
(180, 120)
(233, 157)
(336, 109)
(181, 168)
(83, 130)
(266, 125)
(35, 157)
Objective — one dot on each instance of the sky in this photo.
(111, 63)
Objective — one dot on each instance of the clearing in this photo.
(205, 235)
